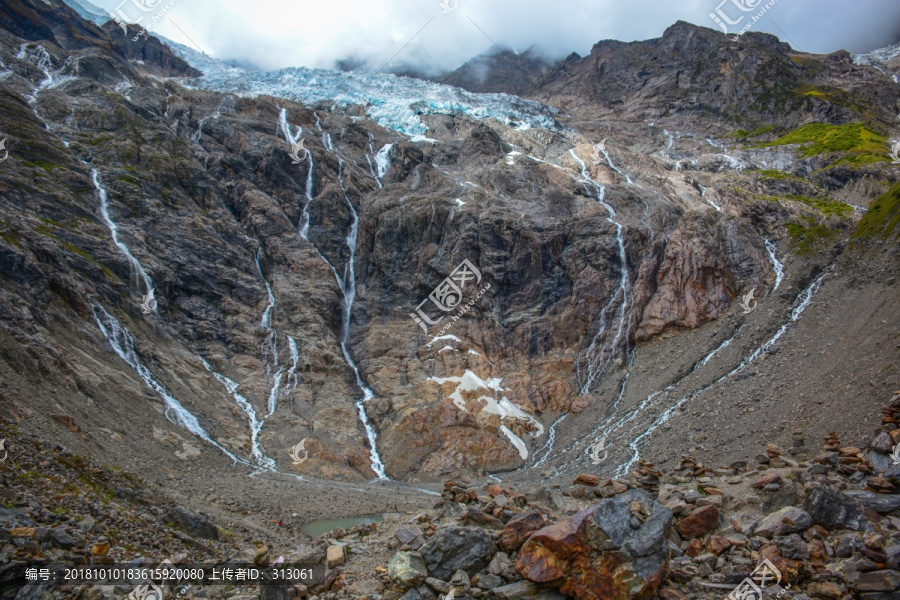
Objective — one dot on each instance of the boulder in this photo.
(407, 533)
(334, 555)
(878, 581)
(455, 548)
(586, 479)
(615, 549)
(882, 503)
(833, 509)
(407, 570)
(517, 530)
(783, 521)
(192, 523)
(699, 522)
(789, 494)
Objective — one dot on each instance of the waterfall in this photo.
(285, 127)
(383, 160)
(547, 448)
(349, 288)
(295, 362)
(114, 231)
(293, 139)
(650, 402)
(601, 351)
(256, 425)
(122, 343)
(372, 171)
(777, 266)
(347, 285)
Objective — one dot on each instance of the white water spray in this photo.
(777, 266)
(114, 232)
(122, 343)
(256, 425)
(605, 345)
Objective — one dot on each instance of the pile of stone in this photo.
(647, 476)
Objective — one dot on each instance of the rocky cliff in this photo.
(527, 287)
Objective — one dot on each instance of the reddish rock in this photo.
(770, 478)
(694, 548)
(586, 479)
(597, 555)
(479, 517)
(517, 530)
(495, 490)
(716, 544)
(670, 593)
(788, 568)
(700, 522)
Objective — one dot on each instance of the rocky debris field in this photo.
(822, 523)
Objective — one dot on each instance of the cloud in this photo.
(419, 34)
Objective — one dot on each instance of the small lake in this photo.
(325, 525)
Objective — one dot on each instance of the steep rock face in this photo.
(699, 73)
(285, 287)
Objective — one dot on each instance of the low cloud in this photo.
(428, 36)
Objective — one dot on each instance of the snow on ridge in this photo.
(879, 56)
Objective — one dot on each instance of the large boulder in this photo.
(517, 530)
(615, 549)
(833, 509)
(407, 570)
(783, 521)
(455, 548)
(699, 522)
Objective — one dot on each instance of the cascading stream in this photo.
(803, 301)
(122, 343)
(777, 266)
(114, 232)
(547, 448)
(347, 285)
(349, 289)
(608, 428)
(256, 450)
(603, 349)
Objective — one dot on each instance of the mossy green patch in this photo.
(882, 217)
(808, 239)
(819, 138)
(773, 174)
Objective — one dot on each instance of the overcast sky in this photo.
(315, 33)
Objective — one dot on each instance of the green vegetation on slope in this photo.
(852, 138)
(882, 217)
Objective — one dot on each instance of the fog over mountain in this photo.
(273, 34)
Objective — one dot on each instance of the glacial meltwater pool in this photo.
(325, 525)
